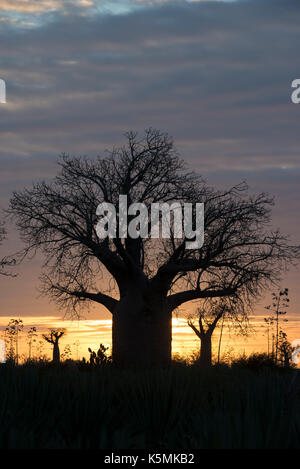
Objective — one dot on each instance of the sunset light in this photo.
(149, 227)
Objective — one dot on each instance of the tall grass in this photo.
(179, 408)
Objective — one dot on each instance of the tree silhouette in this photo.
(53, 338)
(76, 345)
(31, 339)
(67, 352)
(285, 349)
(12, 331)
(208, 315)
(269, 322)
(99, 357)
(152, 277)
(280, 303)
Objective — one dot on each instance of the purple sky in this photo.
(215, 75)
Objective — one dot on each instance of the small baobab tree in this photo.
(209, 315)
(53, 338)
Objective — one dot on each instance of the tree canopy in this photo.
(241, 254)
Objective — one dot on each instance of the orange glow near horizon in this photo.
(85, 333)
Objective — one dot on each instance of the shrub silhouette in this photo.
(255, 361)
(99, 357)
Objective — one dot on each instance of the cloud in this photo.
(216, 75)
(28, 6)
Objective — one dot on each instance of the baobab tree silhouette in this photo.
(152, 278)
(53, 338)
(209, 314)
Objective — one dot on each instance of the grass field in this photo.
(75, 406)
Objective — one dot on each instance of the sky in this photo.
(89, 333)
(215, 75)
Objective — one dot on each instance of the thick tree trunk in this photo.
(56, 354)
(205, 350)
(141, 332)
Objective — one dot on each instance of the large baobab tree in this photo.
(53, 338)
(153, 277)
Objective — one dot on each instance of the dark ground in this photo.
(78, 406)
